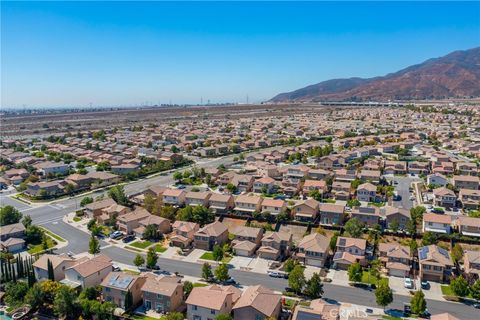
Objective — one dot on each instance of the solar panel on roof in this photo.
(342, 242)
(443, 252)
(120, 283)
(337, 255)
(422, 252)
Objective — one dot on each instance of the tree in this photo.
(231, 188)
(217, 253)
(354, 228)
(289, 265)
(224, 316)
(375, 266)
(355, 272)
(65, 303)
(9, 215)
(178, 176)
(149, 203)
(459, 286)
(429, 238)
(207, 271)
(35, 296)
(315, 194)
(27, 221)
(418, 303)
(85, 201)
(202, 215)
(50, 272)
(353, 203)
(333, 241)
(69, 188)
(139, 260)
(296, 279)
(383, 294)
(394, 226)
(457, 253)
(128, 300)
(152, 258)
(93, 245)
(151, 232)
(475, 290)
(117, 193)
(221, 272)
(416, 214)
(187, 288)
(15, 293)
(314, 287)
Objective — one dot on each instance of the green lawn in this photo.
(377, 204)
(160, 248)
(209, 256)
(34, 249)
(366, 278)
(390, 318)
(53, 235)
(447, 291)
(141, 244)
(142, 317)
(132, 272)
(199, 284)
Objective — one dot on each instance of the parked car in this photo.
(425, 285)
(115, 268)
(181, 186)
(408, 283)
(476, 305)
(116, 234)
(128, 238)
(277, 274)
(230, 281)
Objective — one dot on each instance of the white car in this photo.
(408, 283)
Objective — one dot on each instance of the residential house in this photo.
(174, 197)
(274, 206)
(163, 225)
(435, 263)
(368, 216)
(471, 262)
(52, 168)
(116, 285)
(370, 175)
(212, 234)
(466, 182)
(311, 185)
(331, 214)
(129, 221)
(341, 190)
(197, 198)
(257, 303)
(470, 199)
(246, 241)
(59, 263)
(398, 216)
(275, 245)
(94, 209)
(313, 250)
(14, 230)
(264, 184)
(111, 212)
(439, 223)
(162, 294)
(468, 226)
(88, 273)
(417, 167)
(206, 303)
(396, 258)
(247, 204)
(349, 251)
(444, 197)
(437, 179)
(367, 192)
(183, 233)
(306, 210)
(221, 203)
(45, 189)
(317, 310)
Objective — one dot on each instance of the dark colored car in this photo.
(128, 238)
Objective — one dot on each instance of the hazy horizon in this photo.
(73, 54)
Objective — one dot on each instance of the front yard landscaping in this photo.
(447, 291)
(209, 256)
(141, 244)
(160, 248)
(367, 277)
(37, 248)
(53, 235)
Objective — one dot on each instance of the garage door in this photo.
(314, 262)
(396, 273)
(242, 253)
(430, 277)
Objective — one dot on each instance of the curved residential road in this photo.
(50, 216)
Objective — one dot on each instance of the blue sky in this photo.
(129, 53)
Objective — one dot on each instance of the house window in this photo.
(212, 311)
(194, 307)
(107, 289)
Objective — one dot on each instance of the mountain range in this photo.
(455, 75)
